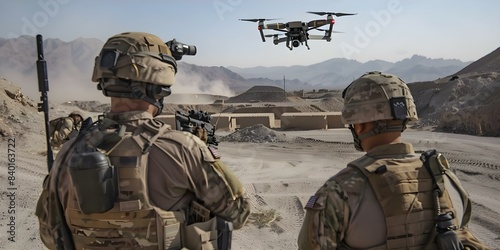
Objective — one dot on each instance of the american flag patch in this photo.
(310, 203)
(215, 152)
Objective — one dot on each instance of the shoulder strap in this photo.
(432, 162)
(155, 129)
(438, 166)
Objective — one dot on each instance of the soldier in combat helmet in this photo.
(129, 181)
(390, 198)
(64, 129)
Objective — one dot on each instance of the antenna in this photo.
(284, 87)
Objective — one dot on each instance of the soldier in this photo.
(387, 199)
(65, 128)
(130, 181)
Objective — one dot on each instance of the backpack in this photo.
(55, 125)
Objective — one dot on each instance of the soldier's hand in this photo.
(201, 133)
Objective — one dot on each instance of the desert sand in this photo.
(279, 177)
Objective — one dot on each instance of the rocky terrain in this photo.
(466, 102)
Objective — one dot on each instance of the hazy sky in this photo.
(383, 29)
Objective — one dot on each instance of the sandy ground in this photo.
(279, 178)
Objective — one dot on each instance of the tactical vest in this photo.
(404, 190)
(132, 222)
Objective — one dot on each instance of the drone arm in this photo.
(262, 34)
(316, 23)
(319, 37)
(280, 40)
(328, 34)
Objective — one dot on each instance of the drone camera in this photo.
(179, 49)
(295, 43)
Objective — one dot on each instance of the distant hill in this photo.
(70, 66)
(339, 72)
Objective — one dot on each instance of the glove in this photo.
(201, 133)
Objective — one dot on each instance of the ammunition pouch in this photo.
(169, 225)
(203, 231)
(94, 181)
(201, 235)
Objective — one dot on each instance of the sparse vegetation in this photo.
(264, 218)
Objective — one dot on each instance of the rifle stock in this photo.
(43, 88)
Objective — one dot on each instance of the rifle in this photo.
(43, 87)
(186, 122)
(62, 236)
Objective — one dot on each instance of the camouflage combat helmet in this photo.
(78, 113)
(136, 56)
(378, 96)
(135, 65)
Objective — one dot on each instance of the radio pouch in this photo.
(94, 180)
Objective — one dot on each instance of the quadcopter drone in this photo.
(297, 32)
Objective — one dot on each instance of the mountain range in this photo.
(70, 67)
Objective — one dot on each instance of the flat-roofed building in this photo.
(305, 120)
(334, 120)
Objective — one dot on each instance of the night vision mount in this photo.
(179, 49)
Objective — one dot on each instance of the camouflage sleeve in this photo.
(326, 218)
(46, 208)
(220, 190)
(60, 135)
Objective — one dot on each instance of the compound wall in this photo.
(306, 121)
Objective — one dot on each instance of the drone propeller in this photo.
(260, 25)
(258, 19)
(331, 13)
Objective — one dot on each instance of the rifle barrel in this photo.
(43, 87)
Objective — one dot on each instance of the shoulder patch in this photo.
(312, 200)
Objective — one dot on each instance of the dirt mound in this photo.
(467, 104)
(170, 109)
(259, 94)
(257, 134)
(18, 113)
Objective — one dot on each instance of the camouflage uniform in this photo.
(344, 213)
(384, 199)
(63, 131)
(151, 173)
(185, 169)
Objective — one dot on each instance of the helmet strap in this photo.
(357, 141)
(137, 90)
(139, 93)
(380, 127)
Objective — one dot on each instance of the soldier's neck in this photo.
(127, 105)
